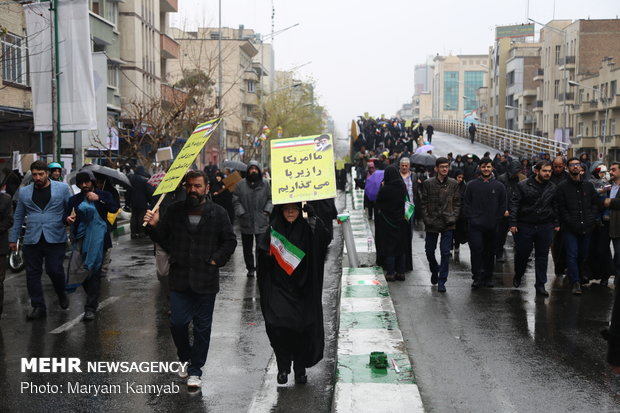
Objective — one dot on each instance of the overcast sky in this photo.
(363, 52)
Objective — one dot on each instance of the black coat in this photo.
(484, 203)
(191, 250)
(294, 302)
(578, 206)
(139, 195)
(533, 203)
(391, 226)
(6, 222)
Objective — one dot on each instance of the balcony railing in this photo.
(568, 60)
(538, 104)
(567, 96)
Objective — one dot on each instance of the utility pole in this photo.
(56, 128)
(221, 130)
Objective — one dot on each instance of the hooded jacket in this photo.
(252, 203)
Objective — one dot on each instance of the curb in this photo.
(368, 323)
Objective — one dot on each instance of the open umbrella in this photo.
(235, 166)
(113, 175)
(373, 184)
(423, 159)
(424, 148)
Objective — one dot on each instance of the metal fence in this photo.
(517, 143)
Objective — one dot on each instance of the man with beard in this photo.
(87, 213)
(533, 218)
(252, 204)
(198, 236)
(484, 204)
(557, 247)
(44, 202)
(578, 209)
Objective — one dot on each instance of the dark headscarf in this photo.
(392, 195)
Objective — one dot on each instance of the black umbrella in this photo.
(113, 175)
(423, 159)
(235, 166)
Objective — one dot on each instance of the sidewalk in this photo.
(368, 323)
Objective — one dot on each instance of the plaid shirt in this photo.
(192, 249)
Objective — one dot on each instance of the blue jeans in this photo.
(430, 244)
(577, 247)
(539, 238)
(482, 245)
(53, 254)
(189, 306)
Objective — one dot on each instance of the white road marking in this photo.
(266, 398)
(69, 324)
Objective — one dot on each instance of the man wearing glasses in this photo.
(578, 205)
(441, 203)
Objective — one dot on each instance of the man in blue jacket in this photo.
(484, 206)
(87, 212)
(43, 202)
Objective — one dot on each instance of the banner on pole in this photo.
(187, 156)
(302, 169)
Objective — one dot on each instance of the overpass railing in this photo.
(517, 143)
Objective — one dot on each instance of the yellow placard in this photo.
(302, 169)
(407, 123)
(186, 157)
(340, 164)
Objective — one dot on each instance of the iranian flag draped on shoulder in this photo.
(286, 254)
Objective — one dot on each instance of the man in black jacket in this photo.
(6, 222)
(93, 227)
(558, 252)
(138, 197)
(578, 209)
(533, 218)
(198, 236)
(484, 205)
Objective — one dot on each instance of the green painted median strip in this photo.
(365, 291)
(356, 369)
(369, 319)
(362, 271)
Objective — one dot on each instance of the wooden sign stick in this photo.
(156, 207)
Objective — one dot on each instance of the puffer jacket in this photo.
(578, 205)
(441, 203)
(533, 203)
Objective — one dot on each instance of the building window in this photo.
(14, 59)
(511, 78)
(603, 131)
(594, 128)
(556, 121)
(250, 86)
(474, 80)
(113, 75)
(613, 88)
(451, 91)
(556, 89)
(557, 55)
(612, 127)
(580, 128)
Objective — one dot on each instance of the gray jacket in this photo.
(253, 206)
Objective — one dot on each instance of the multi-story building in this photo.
(597, 104)
(455, 81)
(423, 78)
(521, 67)
(146, 49)
(422, 106)
(241, 78)
(16, 120)
(569, 52)
(405, 112)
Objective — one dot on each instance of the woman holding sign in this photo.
(290, 279)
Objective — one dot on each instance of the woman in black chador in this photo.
(290, 297)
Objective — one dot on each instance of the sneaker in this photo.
(542, 292)
(183, 371)
(434, 278)
(89, 315)
(194, 382)
(576, 288)
(282, 377)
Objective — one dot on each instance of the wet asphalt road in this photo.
(132, 325)
(504, 349)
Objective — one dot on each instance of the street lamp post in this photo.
(606, 108)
